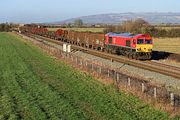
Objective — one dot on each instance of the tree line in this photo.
(142, 26)
(5, 27)
(132, 26)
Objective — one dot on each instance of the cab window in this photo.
(110, 40)
(148, 41)
(134, 41)
(140, 41)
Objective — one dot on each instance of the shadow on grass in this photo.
(160, 55)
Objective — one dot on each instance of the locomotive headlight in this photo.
(138, 49)
(149, 50)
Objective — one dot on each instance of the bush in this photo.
(5, 27)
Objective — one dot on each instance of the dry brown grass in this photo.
(168, 28)
(79, 29)
(167, 44)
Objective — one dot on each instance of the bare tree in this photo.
(78, 22)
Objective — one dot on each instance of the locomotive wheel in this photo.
(148, 56)
(129, 55)
(105, 50)
(134, 56)
(137, 57)
(108, 50)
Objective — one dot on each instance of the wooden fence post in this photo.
(100, 69)
(155, 92)
(172, 99)
(142, 85)
(80, 61)
(129, 81)
(117, 80)
(86, 62)
(108, 73)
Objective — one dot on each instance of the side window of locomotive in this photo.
(148, 41)
(134, 41)
(110, 40)
(114, 40)
(140, 41)
(128, 43)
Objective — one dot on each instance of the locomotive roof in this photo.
(129, 35)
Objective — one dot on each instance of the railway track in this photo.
(149, 65)
(165, 66)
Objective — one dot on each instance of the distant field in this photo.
(167, 44)
(35, 86)
(79, 29)
(168, 28)
(101, 29)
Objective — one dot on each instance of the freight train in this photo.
(135, 46)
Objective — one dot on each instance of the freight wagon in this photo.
(87, 39)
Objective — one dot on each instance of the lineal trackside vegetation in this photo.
(35, 86)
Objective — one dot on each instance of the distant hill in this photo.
(116, 18)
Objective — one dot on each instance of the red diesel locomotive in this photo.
(138, 46)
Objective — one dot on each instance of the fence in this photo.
(120, 80)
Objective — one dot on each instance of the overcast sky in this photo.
(27, 11)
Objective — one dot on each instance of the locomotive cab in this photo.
(144, 46)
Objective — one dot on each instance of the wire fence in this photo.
(119, 79)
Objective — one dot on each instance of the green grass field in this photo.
(80, 29)
(35, 86)
(167, 44)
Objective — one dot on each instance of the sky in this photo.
(38, 11)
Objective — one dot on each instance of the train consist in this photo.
(136, 46)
